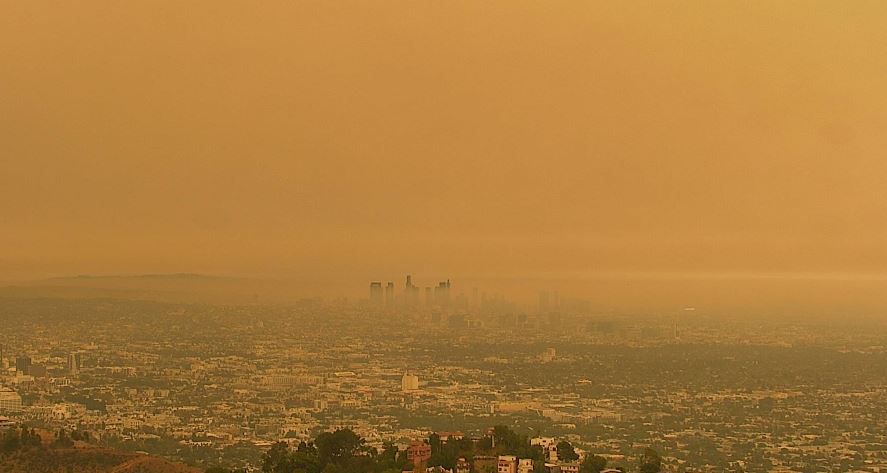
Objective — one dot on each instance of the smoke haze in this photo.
(518, 144)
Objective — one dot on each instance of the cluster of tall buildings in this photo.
(412, 295)
(25, 366)
(549, 301)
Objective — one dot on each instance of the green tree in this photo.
(35, 439)
(337, 447)
(277, 459)
(11, 441)
(390, 458)
(25, 437)
(436, 450)
(62, 439)
(566, 452)
(593, 464)
(650, 461)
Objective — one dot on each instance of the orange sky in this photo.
(476, 139)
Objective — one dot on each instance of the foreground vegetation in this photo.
(343, 451)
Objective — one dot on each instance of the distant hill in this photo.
(87, 460)
(170, 287)
(175, 287)
(167, 276)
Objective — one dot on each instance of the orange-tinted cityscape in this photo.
(443, 237)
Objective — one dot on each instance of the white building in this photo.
(571, 467)
(74, 363)
(410, 382)
(548, 355)
(9, 400)
(525, 465)
(507, 464)
(549, 447)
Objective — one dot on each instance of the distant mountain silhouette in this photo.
(186, 276)
(172, 287)
(165, 287)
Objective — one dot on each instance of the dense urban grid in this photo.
(440, 379)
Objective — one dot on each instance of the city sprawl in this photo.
(221, 384)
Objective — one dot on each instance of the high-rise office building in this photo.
(411, 292)
(376, 294)
(74, 364)
(549, 301)
(389, 293)
(23, 364)
(442, 293)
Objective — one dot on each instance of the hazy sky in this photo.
(495, 139)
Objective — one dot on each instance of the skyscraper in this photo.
(389, 294)
(74, 363)
(376, 294)
(442, 293)
(544, 302)
(23, 364)
(411, 292)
